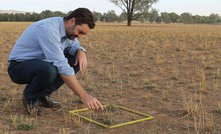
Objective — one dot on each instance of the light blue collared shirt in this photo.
(46, 40)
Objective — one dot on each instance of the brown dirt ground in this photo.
(169, 71)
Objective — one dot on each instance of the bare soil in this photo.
(111, 115)
(170, 71)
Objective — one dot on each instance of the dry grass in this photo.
(169, 71)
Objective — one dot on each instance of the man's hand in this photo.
(81, 59)
(74, 85)
(91, 102)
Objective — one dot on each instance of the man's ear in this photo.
(72, 21)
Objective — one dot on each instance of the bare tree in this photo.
(134, 8)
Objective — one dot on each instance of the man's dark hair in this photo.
(82, 16)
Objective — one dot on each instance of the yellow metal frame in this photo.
(147, 117)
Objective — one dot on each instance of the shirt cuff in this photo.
(73, 50)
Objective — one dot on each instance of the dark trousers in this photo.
(41, 77)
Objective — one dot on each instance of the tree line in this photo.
(29, 16)
(164, 17)
(152, 17)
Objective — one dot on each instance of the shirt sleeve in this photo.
(49, 41)
(74, 47)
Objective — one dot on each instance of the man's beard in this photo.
(71, 36)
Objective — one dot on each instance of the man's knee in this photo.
(52, 72)
(49, 72)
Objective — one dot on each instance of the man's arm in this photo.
(88, 100)
(76, 45)
(77, 50)
(50, 44)
(81, 59)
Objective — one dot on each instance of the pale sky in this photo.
(200, 7)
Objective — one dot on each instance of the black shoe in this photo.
(48, 103)
(31, 108)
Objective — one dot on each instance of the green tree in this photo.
(213, 18)
(204, 19)
(134, 8)
(122, 17)
(103, 17)
(196, 19)
(166, 17)
(19, 17)
(111, 16)
(1, 17)
(97, 16)
(58, 13)
(35, 17)
(11, 17)
(158, 19)
(5, 17)
(186, 18)
(153, 15)
(174, 17)
(46, 14)
(27, 17)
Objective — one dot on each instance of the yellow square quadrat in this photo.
(146, 117)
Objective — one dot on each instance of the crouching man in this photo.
(47, 55)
